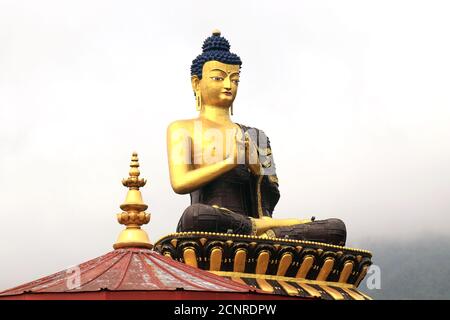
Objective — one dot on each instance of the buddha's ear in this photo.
(195, 81)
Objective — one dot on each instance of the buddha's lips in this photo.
(227, 93)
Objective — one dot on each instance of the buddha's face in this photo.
(218, 86)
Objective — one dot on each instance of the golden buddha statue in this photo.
(228, 168)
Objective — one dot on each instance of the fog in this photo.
(354, 96)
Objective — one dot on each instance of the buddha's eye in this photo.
(217, 78)
(235, 81)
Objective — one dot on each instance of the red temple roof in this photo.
(133, 273)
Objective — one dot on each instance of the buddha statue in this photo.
(226, 167)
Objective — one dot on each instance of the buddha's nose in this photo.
(227, 83)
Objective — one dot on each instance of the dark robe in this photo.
(226, 204)
(237, 190)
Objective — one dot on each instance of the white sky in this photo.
(354, 96)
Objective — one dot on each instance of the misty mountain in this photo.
(411, 269)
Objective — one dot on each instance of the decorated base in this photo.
(279, 266)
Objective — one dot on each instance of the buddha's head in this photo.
(215, 73)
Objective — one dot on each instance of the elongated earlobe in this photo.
(198, 101)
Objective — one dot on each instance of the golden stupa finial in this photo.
(133, 215)
(133, 180)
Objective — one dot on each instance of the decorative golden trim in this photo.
(306, 265)
(132, 244)
(285, 263)
(262, 262)
(311, 291)
(189, 256)
(291, 241)
(353, 294)
(326, 269)
(258, 196)
(279, 278)
(333, 292)
(264, 285)
(239, 260)
(346, 271)
(365, 295)
(292, 291)
(361, 275)
(215, 260)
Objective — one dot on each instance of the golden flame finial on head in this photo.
(134, 214)
(216, 32)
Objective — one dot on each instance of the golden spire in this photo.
(134, 214)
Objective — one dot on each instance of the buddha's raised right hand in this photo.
(252, 156)
(237, 149)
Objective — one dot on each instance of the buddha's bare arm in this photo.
(185, 180)
(184, 176)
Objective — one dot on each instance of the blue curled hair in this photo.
(215, 48)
